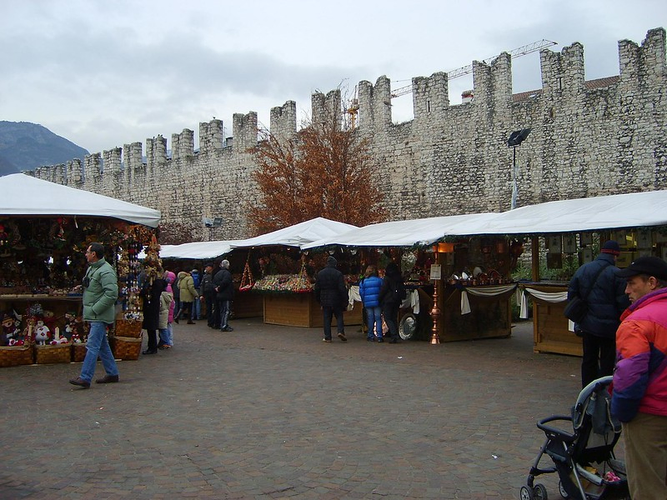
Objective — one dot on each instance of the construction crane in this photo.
(455, 73)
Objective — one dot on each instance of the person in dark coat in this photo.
(151, 293)
(604, 294)
(224, 294)
(331, 294)
(391, 296)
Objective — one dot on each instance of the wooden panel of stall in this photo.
(490, 317)
(247, 304)
(301, 309)
(550, 326)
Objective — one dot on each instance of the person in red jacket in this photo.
(639, 398)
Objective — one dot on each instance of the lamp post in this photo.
(516, 138)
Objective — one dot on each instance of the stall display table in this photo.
(301, 309)
(475, 316)
(551, 331)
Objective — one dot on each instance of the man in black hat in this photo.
(331, 294)
(604, 294)
(639, 399)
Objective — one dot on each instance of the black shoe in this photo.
(370, 339)
(227, 329)
(380, 340)
(176, 320)
(342, 337)
(190, 322)
(149, 351)
(107, 379)
(80, 382)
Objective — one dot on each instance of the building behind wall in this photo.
(588, 138)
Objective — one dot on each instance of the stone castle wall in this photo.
(588, 138)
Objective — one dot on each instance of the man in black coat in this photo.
(604, 293)
(224, 290)
(331, 294)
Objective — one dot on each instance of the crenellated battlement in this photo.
(588, 138)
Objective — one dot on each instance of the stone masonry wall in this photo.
(588, 139)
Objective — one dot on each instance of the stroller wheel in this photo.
(526, 493)
(540, 492)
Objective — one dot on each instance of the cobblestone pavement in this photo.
(273, 412)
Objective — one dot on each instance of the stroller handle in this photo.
(564, 435)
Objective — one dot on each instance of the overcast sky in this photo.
(106, 73)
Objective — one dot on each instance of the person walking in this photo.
(604, 294)
(196, 303)
(331, 294)
(224, 294)
(151, 295)
(391, 296)
(207, 293)
(639, 397)
(100, 292)
(188, 294)
(369, 290)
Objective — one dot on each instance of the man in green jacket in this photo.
(100, 292)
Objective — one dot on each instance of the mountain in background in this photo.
(26, 146)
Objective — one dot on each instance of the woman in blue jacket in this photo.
(369, 290)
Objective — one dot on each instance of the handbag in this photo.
(577, 307)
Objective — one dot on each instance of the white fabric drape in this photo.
(486, 291)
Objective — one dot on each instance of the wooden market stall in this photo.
(285, 277)
(472, 279)
(568, 233)
(45, 229)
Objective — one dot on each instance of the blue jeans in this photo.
(98, 345)
(196, 309)
(374, 319)
(167, 335)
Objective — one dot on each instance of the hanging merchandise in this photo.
(247, 281)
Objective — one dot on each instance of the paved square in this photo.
(273, 412)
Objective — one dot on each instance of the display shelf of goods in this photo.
(126, 348)
(284, 283)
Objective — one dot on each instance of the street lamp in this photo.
(516, 138)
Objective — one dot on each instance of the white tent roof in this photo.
(585, 214)
(196, 250)
(26, 195)
(297, 235)
(403, 233)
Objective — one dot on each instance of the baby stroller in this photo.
(584, 458)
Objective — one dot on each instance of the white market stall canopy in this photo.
(585, 214)
(403, 233)
(197, 250)
(297, 235)
(26, 195)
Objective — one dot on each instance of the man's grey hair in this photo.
(225, 264)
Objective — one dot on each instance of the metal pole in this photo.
(515, 187)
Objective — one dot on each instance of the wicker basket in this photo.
(47, 354)
(79, 352)
(128, 328)
(16, 355)
(126, 348)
